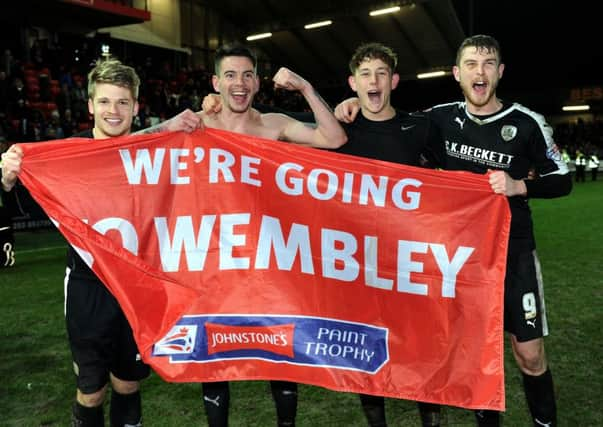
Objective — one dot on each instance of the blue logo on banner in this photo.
(316, 342)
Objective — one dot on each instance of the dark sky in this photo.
(544, 42)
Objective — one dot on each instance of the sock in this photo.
(430, 414)
(216, 398)
(285, 399)
(487, 418)
(540, 395)
(374, 410)
(126, 410)
(82, 416)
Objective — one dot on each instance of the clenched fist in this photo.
(287, 79)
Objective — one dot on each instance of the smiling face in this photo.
(373, 82)
(113, 108)
(237, 83)
(478, 72)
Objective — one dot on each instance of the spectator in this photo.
(68, 124)
(38, 54)
(17, 97)
(158, 100)
(53, 128)
(63, 99)
(8, 62)
(593, 165)
(65, 77)
(4, 91)
(79, 99)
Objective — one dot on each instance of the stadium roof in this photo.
(547, 45)
(75, 16)
(424, 33)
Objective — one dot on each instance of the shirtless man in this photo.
(237, 82)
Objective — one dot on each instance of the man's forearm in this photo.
(159, 127)
(6, 186)
(549, 186)
(327, 125)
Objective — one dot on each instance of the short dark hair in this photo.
(369, 51)
(235, 49)
(480, 42)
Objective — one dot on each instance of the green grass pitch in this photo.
(37, 384)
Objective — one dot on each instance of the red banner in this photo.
(239, 258)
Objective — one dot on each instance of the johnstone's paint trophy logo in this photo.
(180, 340)
(297, 340)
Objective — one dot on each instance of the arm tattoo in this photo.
(160, 127)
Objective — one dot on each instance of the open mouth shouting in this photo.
(239, 96)
(480, 87)
(374, 96)
(374, 100)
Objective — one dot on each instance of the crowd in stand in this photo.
(43, 99)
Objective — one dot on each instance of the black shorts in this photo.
(525, 315)
(7, 240)
(100, 336)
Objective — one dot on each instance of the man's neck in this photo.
(98, 134)
(386, 113)
(235, 121)
(492, 107)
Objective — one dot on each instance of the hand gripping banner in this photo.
(238, 258)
